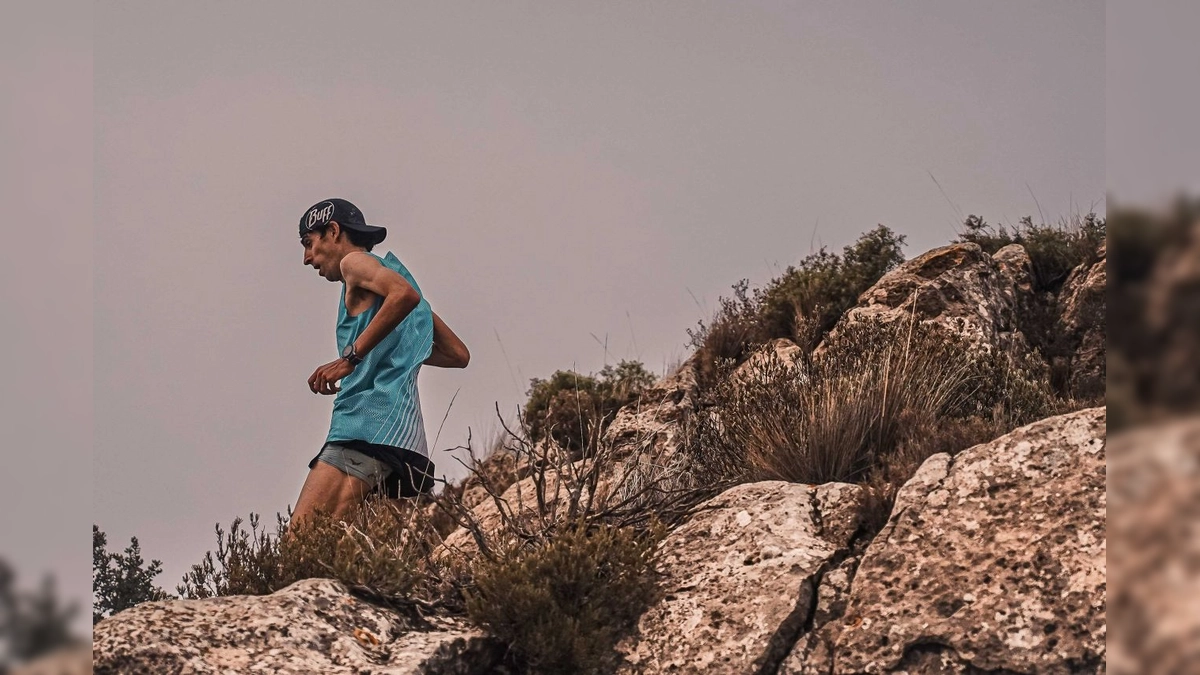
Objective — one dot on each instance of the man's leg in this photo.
(330, 490)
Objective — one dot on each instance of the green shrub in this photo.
(32, 623)
(564, 602)
(121, 580)
(824, 285)
(732, 334)
(570, 408)
(801, 305)
(1014, 391)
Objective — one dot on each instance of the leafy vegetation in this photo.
(121, 580)
(802, 305)
(568, 407)
(563, 602)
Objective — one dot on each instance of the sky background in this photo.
(46, 296)
(570, 183)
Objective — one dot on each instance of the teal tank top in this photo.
(378, 402)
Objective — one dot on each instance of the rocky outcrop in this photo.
(1154, 487)
(740, 578)
(778, 351)
(992, 561)
(649, 426)
(312, 626)
(1081, 327)
(958, 287)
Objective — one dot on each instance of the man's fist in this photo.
(324, 379)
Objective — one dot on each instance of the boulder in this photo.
(1154, 487)
(648, 426)
(312, 626)
(779, 350)
(992, 561)
(739, 578)
(1082, 325)
(958, 287)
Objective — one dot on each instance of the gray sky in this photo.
(45, 295)
(556, 176)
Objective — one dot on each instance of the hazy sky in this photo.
(556, 176)
(45, 295)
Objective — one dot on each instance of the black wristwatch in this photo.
(350, 355)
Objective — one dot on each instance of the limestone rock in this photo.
(1016, 265)
(1082, 325)
(739, 578)
(312, 626)
(958, 287)
(813, 654)
(781, 349)
(648, 427)
(993, 560)
(1154, 485)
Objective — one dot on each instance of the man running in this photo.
(386, 331)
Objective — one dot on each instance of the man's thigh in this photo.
(330, 490)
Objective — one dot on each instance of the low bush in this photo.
(801, 305)
(563, 602)
(830, 416)
(567, 407)
(381, 551)
(869, 407)
(824, 285)
(121, 580)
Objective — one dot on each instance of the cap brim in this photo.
(380, 233)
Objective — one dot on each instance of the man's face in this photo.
(321, 253)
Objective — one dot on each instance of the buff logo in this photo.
(318, 216)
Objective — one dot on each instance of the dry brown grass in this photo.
(830, 417)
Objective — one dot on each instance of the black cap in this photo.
(346, 214)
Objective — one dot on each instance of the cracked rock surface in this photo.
(739, 578)
(312, 626)
(1081, 325)
(958, 287)
(993, 561)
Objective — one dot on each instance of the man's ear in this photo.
(334, 229)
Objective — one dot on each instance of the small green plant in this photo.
(568, 407)
(563, 602)
(802, 305)
(824, 285)
(121, 580)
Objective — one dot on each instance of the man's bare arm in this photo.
(399, 297)
(448, 350)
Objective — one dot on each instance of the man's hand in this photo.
(324, 379)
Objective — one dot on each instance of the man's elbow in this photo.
(462, 358)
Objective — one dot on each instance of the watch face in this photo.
(348, 351)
